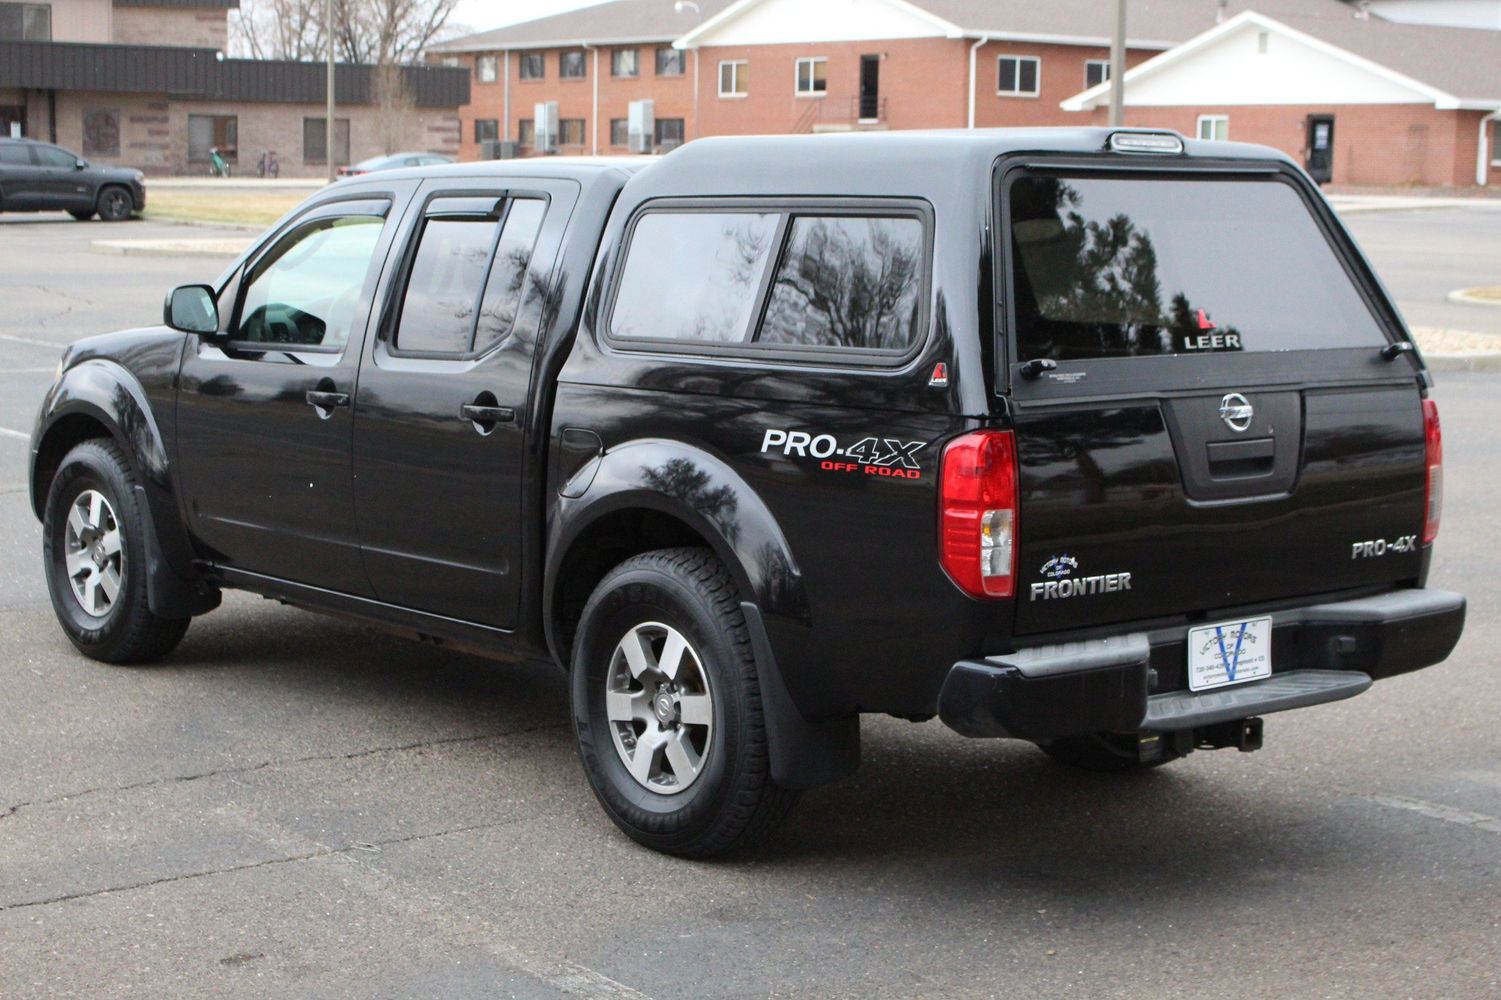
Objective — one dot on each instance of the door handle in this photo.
(325, 401)
(487, 414)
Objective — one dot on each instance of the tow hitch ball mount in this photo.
(1242, 734)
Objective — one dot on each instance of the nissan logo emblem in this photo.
(1236, 411)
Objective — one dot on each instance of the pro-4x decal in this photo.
(872, 456)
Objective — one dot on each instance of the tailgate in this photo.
(1212, 422)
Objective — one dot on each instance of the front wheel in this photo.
(667, 708)
(94, 549)
(115, 204)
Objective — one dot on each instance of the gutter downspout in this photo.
(1483, 153)
(696, 132)
(505, 110)
(974, 51)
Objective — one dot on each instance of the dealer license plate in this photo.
(1229, 653)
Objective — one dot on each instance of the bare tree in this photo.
(395, 107)
(366, 31)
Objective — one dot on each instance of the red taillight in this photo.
(1434, 489)
(977, 513)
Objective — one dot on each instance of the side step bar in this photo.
(1277, 693)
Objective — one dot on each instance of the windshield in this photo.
(1110, 267)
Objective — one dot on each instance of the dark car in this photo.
(40, 177)
(1105, 440)
(394, 161)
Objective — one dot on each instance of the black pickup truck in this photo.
(1106, 440)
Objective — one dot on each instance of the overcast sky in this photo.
(481, 15)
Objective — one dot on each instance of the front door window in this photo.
(305, 292)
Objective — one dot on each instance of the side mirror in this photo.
(192, 309)
(80, 164)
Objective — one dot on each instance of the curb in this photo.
(1463, 297)
(162, 248)
(244, 227)
(1490, 362)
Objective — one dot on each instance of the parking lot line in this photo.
(11, 338)
(1479, 821)
(7, 432)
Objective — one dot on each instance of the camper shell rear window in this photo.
(1108, 266)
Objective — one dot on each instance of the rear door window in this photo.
(1109, 267)
(467, 276)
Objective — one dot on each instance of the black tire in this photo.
(1102, 753)
(732, 802)
(83, 216)
(127, 631)
(115, 204)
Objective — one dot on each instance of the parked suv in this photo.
(39, 177)
(1105, 440)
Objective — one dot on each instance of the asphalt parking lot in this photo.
(293, 806)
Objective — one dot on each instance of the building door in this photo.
(870, 88)
(1319, 156)
(12, 121)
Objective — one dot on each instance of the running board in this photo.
(1277, 693)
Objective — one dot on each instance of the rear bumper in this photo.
(1321, 653)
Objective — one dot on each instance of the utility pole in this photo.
(1118, 68)
(328, 141)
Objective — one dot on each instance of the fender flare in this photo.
(705, 493)
(108, 394)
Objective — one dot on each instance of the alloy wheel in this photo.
(660, 708)
(94, 553)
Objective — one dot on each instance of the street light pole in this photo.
(328, 121)
(1118, 68)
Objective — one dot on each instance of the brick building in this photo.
(718, 67)
(1360, 100)
(144, 83)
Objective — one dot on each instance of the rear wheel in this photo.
(94, 537)
(115, 204)
(667, 708)
(1103, 753)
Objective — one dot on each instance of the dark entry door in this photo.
(870, 88)
(12, 121)
(264, 412)
(1320, 158)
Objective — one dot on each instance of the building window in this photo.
(669, 61)
(1214, 127)
(620, 132)
(669, 134)
(734, 78)
(209, 132)
(453, 61)
(101, 132)
(487, 69)
(1496, 144)
(572, 65)
(526, 132)
(315, 140)
(812, 77)
(486, 129)
(1018, 76)
(533, 65)
(625, 62)
(1096, 72)
(25, 22)
(571, 132)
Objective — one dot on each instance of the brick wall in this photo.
(923, 84)
(673, 96)
(154, 132)
(1376, 145)
(207, 29)
(1062, 76)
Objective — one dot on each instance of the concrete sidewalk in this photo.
(1349, 204)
